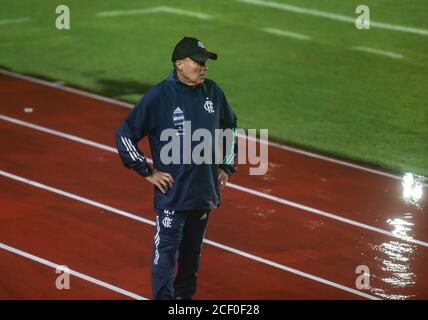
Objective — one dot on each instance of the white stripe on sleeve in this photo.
(132, 147)
(127, 148)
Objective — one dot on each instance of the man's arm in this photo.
(229, 120)
(137, 124)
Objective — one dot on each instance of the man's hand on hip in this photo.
(222, 179)
(160, 179)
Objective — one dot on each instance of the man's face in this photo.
(192, 71)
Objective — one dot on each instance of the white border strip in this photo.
(117, 13)
(58, 133)
(389, 54)
(284, 33)
(326, 214)
(62, 134)
(74, 197)
(212, 243)
(272, 144)
(325, 158)
(291, 270)
(10, 21)
(228, 184)
(58, 85)
(162, 9)
(333, 16)
(72, 272)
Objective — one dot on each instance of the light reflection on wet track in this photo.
(395, 259)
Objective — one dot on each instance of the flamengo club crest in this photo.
(209, 106)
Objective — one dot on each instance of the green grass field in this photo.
(318, 94)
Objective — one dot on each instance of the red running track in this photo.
(116, 249)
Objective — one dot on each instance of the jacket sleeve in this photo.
(228, 120)
(138, 123)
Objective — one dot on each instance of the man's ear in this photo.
(179, 65)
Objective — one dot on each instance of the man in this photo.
(185, 192)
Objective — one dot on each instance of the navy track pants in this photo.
(176, 253)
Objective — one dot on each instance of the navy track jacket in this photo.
(167, 106)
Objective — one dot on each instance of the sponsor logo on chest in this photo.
(177, 120)
(178, 115)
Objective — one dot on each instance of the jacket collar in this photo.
(181, 85)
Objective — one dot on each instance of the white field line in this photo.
(11, 21)
(379, 52)
(210, 242)
(162, 9)
(272, 144)
(74, 197)
(71, 272)
(58, 133)
(228, 184)
(284, 33)
(67, 89)
(325, 158)
(333, 16)
(326, 214)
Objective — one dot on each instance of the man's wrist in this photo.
(229, 169)
(144, 170)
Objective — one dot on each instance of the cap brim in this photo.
(204, 56)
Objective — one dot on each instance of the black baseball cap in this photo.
(192, 48)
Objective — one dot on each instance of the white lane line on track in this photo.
(285, 33)
(210, 242)
(162, 9)
(336, 161)
(334, 16)
(272, 144)
(327, 214)
(389, 54)
(12, 21)
(72, 272)
(58, 133)
(229, 184)
(75, 197)
(56, 85)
